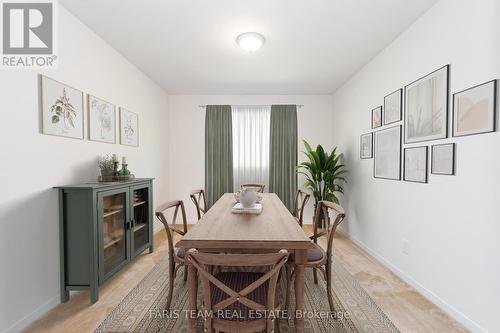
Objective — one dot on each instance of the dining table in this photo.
(273, 229)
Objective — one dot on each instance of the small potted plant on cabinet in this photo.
(106, 164)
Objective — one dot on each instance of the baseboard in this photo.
(450, 310)
(31, 317)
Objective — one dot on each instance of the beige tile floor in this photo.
(407, 309)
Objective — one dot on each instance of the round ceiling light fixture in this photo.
(250, 41)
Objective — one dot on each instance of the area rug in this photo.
(142, 309)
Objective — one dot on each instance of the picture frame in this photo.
(443, 159)
(377, 117)
(475, 110)
(387, 153)
(416, 164)
(129, 128)
(393, 105)
(101, 120)
(426, 107)
(366, 146)
(61, 108)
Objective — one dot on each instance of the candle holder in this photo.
(115, 168)
(124, 171)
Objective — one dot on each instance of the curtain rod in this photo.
(298, 105)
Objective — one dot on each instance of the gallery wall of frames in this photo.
(63, 114)
(412, 116)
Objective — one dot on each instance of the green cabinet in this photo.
(102, 227)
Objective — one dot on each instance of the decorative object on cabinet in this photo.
(387, 153)
(443, 159)
(377, 117)
(124, 171)
(110, 172)
(366, 146)
(102, 227)
(474, 109)
(102, 120)
(426, 107)
(113, 179)
(115, 165)
(107, 165)
(62, 109)
(129, 128)
(393, 104)
(415, 164)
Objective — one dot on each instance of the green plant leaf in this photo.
(307, 145)
(323, 173)
(321, 156)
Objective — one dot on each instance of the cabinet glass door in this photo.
(140, 218)
(114, 232)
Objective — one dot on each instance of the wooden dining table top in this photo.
(273, 228)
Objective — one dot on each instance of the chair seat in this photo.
(314, 254)
(238, 281)
(180, 252)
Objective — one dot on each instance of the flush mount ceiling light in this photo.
(250, 41)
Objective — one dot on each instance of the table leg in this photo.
(300, 260)
(193, 293)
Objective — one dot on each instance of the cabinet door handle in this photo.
(132, 223)
(128, 225)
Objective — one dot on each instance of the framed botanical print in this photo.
(377, 117)
(387, 153)
(62, 109)
(366, 146)
(415, 164)
(129, 128)
(426, 107)
(474, 109)
(443, 159)
(102, 120)
(393, 104)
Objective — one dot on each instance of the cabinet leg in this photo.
(94, 294)
(64, 296)
(151, 249)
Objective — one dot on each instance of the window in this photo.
(251, 128)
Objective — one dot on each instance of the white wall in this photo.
(451, 223)
(187, 135)
(32, 163)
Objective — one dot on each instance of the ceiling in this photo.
(188, 46)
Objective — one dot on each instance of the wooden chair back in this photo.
(258, 187)
(198, 198)
(301, 199)
(204, 262)
(160, 213)
(327, 207)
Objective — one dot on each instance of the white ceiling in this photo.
(188, 46)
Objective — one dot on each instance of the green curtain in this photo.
(218, 152)
(283, 153)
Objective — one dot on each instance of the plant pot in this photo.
(107, 173)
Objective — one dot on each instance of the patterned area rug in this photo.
(142, 309)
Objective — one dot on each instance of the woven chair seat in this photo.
(238, 281)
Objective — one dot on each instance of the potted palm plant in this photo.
(324, 175)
